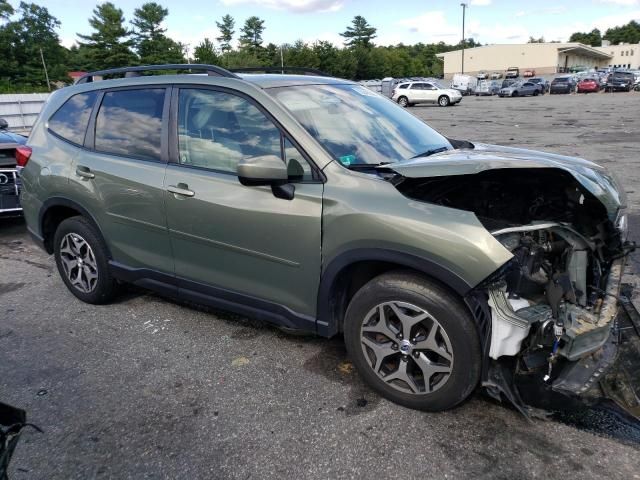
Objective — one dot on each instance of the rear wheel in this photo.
(403, 102)
(83, 262)
(413, 341)
(443, 101)
(535, 93)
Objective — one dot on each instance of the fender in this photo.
(63, 202)
(328, 325)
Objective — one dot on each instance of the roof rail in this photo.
(276, 69)
(212, 70)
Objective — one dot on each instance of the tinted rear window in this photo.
(129, 123)
(71, 120)
(560, 80)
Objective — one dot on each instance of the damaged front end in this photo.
(550, 317)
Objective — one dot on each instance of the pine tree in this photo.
(152, 45)
(360, 33)
(251, 38)
(226, 26)
(109, 45)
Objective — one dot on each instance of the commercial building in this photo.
(624, 55)
(543, 58)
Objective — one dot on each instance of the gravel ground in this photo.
(147, 388)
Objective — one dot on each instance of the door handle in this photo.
(181, 189)
(84, 172)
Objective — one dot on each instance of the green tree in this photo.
(6, 10)
(110, 44)
(21, 44)
(205, 52)
(226, 27)
(359, 33)
(251, 34)
(535, 40)
(593, 38)
(629, 33)
(153, 46)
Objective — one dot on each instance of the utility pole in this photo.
(46, 74)
(464, 9)
(281, 60)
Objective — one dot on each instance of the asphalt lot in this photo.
(148, 388)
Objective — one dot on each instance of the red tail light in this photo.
(23, 154)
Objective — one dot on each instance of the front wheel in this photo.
(514, 94)
(443, 101)
(83, 262)
(535, 93)
(413, 341)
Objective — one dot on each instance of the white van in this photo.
(465, 84)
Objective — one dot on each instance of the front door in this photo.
(234, 240)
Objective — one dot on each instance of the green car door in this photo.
(234, 238)
(119, 176)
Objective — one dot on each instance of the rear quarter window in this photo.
(71, 119)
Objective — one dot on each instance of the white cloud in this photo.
(295, 6)
(480, 3)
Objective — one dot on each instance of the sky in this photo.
(406, 21)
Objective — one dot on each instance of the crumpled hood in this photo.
(593, 177)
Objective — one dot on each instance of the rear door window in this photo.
(129, 123)
(71, 119)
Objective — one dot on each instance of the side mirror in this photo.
(266, 170)
(4, 125)
(262, 170)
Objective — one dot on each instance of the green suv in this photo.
(320, 206)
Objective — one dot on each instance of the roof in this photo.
(259, 80)
(562, 47)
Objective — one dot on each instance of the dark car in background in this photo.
(564, 84)
(10, 144)
(620, 82)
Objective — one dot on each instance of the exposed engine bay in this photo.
(552, 308)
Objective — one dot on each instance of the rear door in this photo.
(234, 241)
(119, 176)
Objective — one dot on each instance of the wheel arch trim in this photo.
(59, 201)
(327, 323)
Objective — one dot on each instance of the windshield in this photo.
(358, 126)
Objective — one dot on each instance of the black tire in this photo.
(105, 287)
(452, 316)
(403, 101)
(444, 101)
(514, 94)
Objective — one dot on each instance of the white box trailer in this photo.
(466, 84)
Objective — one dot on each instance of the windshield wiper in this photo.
(430, 152)
(366, 166)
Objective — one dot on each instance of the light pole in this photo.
(464, 9)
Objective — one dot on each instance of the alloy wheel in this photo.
(79, 262)
(406, 347)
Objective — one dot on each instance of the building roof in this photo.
(562, 47)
